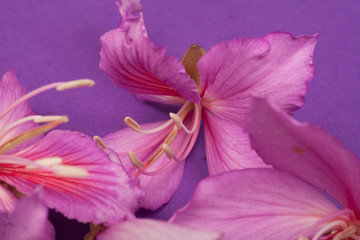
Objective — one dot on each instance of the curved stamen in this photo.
(330, 227)
(168, 150)
(60, 86)
(31, 134)
(131, 123)
(181, 124)
(134, 160)
(160, 170)
(34, 118)
(348, 232)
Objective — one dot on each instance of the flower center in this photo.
(189, 113)
(340, 225)
(8, 141)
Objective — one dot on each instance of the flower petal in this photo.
(227, 146)
(10, 91)
(7, 200)
(306, 151)
(147, 229)
(254, 203)
(159, 188)
(133, 62)
(277, 66)
(106, 195)
(28, 221)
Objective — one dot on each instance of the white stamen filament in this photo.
(49, 161)
(69, 171)
(75, 84)
(134, 160)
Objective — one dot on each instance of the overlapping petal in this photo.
(277, 66)
(255, 203)
(133, 62)
(146, 229)
(28, 221)
(306, 151)
(227, 146)
(7, 200)
(10, 91)
(160, 187)
(106, 195)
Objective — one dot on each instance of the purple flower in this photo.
(312, 192)
(78, 178)
(215, 86)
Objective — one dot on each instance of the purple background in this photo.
(46, 41)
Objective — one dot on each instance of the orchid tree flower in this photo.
(28, 220)
(78, 178)
(149, 229)
(215, 86)
(312, 192)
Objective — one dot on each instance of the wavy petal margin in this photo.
(133, 62)
(277, 66)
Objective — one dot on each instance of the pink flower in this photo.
(312, 192)
(28, 220)
(78, 177)
(215, 86)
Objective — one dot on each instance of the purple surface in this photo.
(46, 41)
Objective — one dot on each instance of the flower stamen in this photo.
(31, 134)
(60, 86)
(177, 123)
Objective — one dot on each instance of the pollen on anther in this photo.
(42, 119)
(134, 160)
(131, 123)
(75, 84)
(168, 150)
(177, 120)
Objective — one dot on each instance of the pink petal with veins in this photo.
(133, 62)
(306, 151)
(107, 194)
(146, 229)
(227, 146)
(254, 204)
(7, 200)
(277, 66)
(159, 188)
(10, 91)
